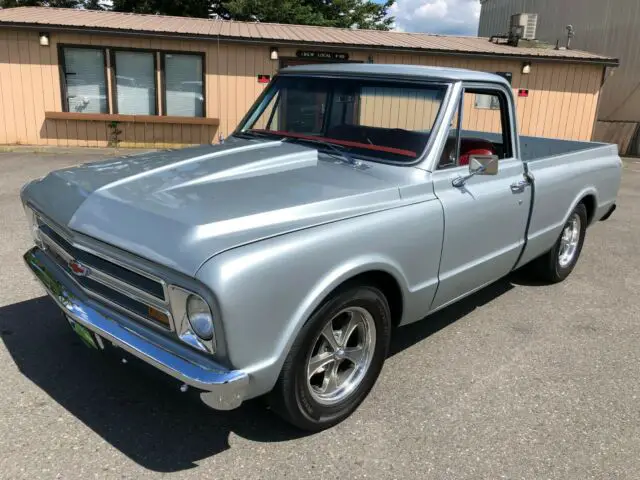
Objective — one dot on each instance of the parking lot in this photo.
(519, 381)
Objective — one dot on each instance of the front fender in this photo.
(267, 290)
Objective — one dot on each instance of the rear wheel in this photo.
(335, 360)
(558, 263)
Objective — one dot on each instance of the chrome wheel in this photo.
(569, 241)
(341, 355)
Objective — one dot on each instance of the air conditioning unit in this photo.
(524, 25)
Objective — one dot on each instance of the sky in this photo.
(446, 17)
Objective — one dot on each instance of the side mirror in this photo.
(483, 165)
(478, 165)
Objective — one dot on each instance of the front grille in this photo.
(130, 291)
(146, 284)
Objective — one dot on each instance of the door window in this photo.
(482, 129)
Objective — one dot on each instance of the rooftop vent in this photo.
(524, 25)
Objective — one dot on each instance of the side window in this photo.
(484, 129)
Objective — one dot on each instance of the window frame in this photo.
(62, 67)
(114, 73)
(506, 114)
(163, 76)
(110, 76)
(507, 120)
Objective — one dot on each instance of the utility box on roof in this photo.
(524, 24)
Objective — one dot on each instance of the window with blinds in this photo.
(85, 86)
(135, 85)
(183, 85)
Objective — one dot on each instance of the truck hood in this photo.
(180, 207)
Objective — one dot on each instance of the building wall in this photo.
(562, 99)
(607, 27)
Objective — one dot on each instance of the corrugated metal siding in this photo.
(562, 98)
(607, 27)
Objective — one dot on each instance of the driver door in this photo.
(486, 215)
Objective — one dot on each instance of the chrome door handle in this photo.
(518, 187)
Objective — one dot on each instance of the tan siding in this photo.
(16, 90)
(6, 102)
(562, 98)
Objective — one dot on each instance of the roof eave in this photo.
(609, 62)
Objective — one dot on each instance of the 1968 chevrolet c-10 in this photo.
(350, 200)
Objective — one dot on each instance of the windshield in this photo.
(378, 120)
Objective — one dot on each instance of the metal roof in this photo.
(159, 25)
(435, 73)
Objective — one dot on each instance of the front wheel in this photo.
(558, 263)
(335, 359)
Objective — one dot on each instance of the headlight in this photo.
(199, 316)
(193, 319)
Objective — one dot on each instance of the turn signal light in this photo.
(158, 316)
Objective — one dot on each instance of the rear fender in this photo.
(587, 191)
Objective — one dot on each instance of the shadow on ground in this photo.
(140, 413)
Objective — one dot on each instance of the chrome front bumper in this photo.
(222, 389)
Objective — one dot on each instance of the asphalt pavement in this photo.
(519, 381)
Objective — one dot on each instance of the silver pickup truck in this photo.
(351, 199)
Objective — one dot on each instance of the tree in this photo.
(180, 8)
(330, 13)
(96, 5)
(276, 11)
(41, 3)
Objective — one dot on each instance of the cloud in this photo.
(447, 17)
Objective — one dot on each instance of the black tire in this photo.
(292, 399)
(548, 267)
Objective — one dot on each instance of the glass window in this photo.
(490, 102)
(389, 121)
(268, 119)
(135, 76)
(183, 85)
(481, 131)
(84, 78)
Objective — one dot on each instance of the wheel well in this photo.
(388, 285)
(590, 204)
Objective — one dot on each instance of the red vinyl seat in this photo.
(474, 146)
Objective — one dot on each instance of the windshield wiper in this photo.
(338, 150)
(253, 133)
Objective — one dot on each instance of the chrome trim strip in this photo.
(114, 284)
(53, 245)
(125, 288)
(223, 389)
(125, 310)
(165, 289)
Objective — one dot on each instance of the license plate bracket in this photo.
(89, 338)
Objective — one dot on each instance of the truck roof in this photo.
(438, 73)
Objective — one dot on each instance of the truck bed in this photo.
(533, 149)
(564, 173)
